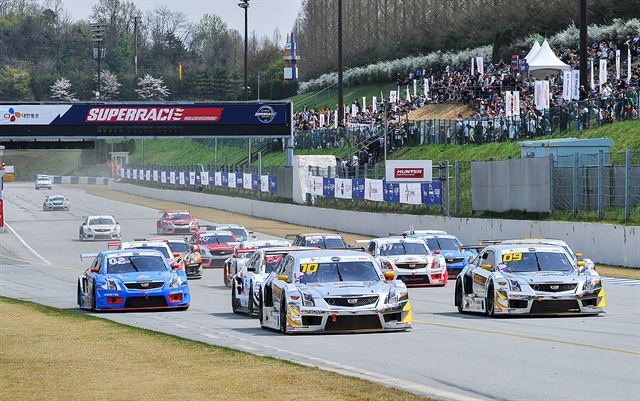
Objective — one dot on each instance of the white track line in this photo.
(45, 261)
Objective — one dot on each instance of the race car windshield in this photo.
(443, 244)
(522, 262)
(338, 271)
(178, 247)
(326, 243)
(216, 239)
(178, 216)
(160, 249)
(402, 248)
(240, 233)
(101, 221)
(132, 264)
(56, 199)
(271, 262)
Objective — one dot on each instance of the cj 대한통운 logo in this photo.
(12, 115)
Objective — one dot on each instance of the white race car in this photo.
(56, 202)
(44, 182)
(410, 259)
(99, 227)
(243, 252)
(528, 279)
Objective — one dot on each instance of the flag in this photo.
(393, 96)
(618, 64)
(541, 95)
(516, 103)
(566, 85)
(408, 93)
(480, 63)
(602, 78)
(473, 66)
(415, 87)
(364, 103)
(508, 103)
(374, 104)
(575, 85)
(628, 63)
(335, 119)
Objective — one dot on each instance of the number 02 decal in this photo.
(512, 257)
(308, 267)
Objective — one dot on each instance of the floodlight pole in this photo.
(340, 68)
(584, 80)
(245, 5)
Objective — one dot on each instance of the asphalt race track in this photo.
(446, 355)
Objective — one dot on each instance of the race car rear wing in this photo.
(113, 244)
(477, 247)
(84, 256)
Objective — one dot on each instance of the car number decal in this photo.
(309, 267)
(512, 257)
(117, 261)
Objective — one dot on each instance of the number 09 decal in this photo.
(512, 257)
(308, 267)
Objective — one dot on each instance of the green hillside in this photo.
(329, 97)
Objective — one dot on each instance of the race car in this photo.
(99, 227)
(161, 246)
(239, 231)
(557, 242)
(410, 259)
(318, 291)
(43, 182)
(177, 222)
(215, 246)
(449, 246)
(56, 202)
(193, 263)
(535, 279)
(242, 252)
(120, 280)
(245, 284)
(318, 240)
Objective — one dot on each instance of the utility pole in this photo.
(584, 79)
(245, 5)
(258, 85)
(136, 19)
(340, 68)
(97, 35)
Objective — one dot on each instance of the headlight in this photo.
(170, 223)
(392, 297)
(590, 284)
(110, 284)
(307, 299)
(514, 285)
(175, 282)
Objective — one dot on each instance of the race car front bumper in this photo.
(101, 236)
(186, 229)
(396, 317)
(113, 300)
(55, 207)
(510, 303)
(215, 261)
(422, 277)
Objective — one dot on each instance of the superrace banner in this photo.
(113, 120)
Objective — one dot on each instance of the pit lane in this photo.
(446, 355)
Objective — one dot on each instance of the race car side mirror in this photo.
(283, 277)
(436, 252)
(176, 255)
(95, 270)
(578, 254)
(389, 276)
(175, 266)
(486, 266)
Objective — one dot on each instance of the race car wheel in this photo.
(260, 309)
(93, 298)
(80, 236)
(225, 276)
(79, 300)
(489, 301)
(251, 310)
(158, 230)
(459, 296)
(234, 301)
(283, 316)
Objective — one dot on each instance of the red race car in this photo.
(177, 222)
(215, 246)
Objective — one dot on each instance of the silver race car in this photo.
(243, 252)
(333, 291)
(535, 279)
(56, 202)
(245, 283)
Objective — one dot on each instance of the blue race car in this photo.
(132, 279)
(449, 246)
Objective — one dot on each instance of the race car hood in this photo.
(218, 247)
(454, 254)
(408, 258)
(144, 276)
(543, 277)
(180, 222)
(103, 227)
(346, 288)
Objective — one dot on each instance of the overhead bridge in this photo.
(60, 123)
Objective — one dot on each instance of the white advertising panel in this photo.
(409, 171)
(410, 193)
(264, 183)
(183, 181)
(344, 188)
(218, 178)
(192, 177)
(247, 180)
(204, 178)
(163, 177)
(373, 190)
(232, 180)
(172, 177)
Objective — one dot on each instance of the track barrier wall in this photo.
(611, 244)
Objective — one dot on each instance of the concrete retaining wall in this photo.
(604, 243)
(59, 179)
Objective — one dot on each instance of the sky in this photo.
(264, 15)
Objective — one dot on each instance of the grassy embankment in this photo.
(54, 354)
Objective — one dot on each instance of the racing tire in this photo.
(489, 302)
(158, 231)
(80, 236)
(225, 276)
(234, 301)
(93, 298)
(458, 297)
(283, 316)
(261, 310)
(79, 296)
(250, 308)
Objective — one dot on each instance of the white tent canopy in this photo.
(546, 63)
(534, 50)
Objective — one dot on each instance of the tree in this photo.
(150, 88)
(15, 84)
(109, 87)
(61, 90)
